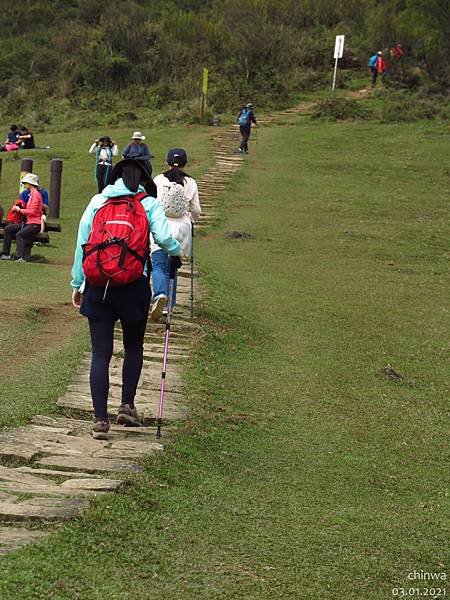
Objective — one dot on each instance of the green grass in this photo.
(303, 471)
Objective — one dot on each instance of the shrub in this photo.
(336, 108)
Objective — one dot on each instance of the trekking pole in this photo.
(192, 271)
(97, 153)
(173, 270)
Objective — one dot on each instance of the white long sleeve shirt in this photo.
(105, 154)
(181, 226)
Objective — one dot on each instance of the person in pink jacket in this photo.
(31, 224)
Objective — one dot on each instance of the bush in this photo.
(404, 107)
(340, 109)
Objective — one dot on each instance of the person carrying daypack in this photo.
(377, 66)
(110, 280)
(245, 119)
(178, 195)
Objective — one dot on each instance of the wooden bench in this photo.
(41, 238)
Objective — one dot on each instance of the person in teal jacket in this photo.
(128, 303)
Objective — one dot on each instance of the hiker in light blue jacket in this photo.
(129, 303)
(372, 64)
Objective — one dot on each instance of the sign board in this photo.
(339, 46)
(205, 81)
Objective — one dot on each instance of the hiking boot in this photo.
(157, 307)
(128, 416)
(5, 257)
(100, 430)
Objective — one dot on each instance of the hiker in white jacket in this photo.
(178, 194)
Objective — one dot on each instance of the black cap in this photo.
(176, 157)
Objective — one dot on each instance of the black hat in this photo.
(145, 165)
(176, 157)
(146, 168)
(106, 139)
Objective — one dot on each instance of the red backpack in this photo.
(118, 245)
(13, 216)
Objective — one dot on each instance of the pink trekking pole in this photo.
(174, 263)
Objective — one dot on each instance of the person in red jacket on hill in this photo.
(381, 64)
(24, 231)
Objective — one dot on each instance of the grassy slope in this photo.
(39, 381)
(303, 472)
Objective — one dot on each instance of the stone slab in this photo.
(55, 473)
(18, 481)
(92, 485)
(90, 464)
(13, 538)
(42, 509)
(173, 408)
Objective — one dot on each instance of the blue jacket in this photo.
(159, 226)
(141, 151)
(25, 195)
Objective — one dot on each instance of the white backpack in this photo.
(173, 200)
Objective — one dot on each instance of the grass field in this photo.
(305, 470)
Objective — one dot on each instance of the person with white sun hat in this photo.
(137, 148)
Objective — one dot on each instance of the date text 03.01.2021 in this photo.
(419, 592)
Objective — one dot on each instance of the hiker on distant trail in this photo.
(178, 194)
(25, 231)
(245, 119)
(119, 256)
(377, 66)
(137, 148)
(104, 149)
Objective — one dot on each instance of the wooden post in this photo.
(56, 165)
(26, 166)
(204, 92)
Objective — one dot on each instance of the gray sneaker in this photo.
(157, 307)
(100, 430)
(5, 257)
(128, 416)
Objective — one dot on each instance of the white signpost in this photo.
(338, 53)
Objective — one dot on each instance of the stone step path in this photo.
(51, 467)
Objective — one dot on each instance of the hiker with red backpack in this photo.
(178, 195)
(26, 220)
(245, 119)
(110, 280)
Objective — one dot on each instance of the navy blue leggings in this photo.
(102, 333)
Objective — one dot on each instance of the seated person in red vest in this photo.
(24, 231)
